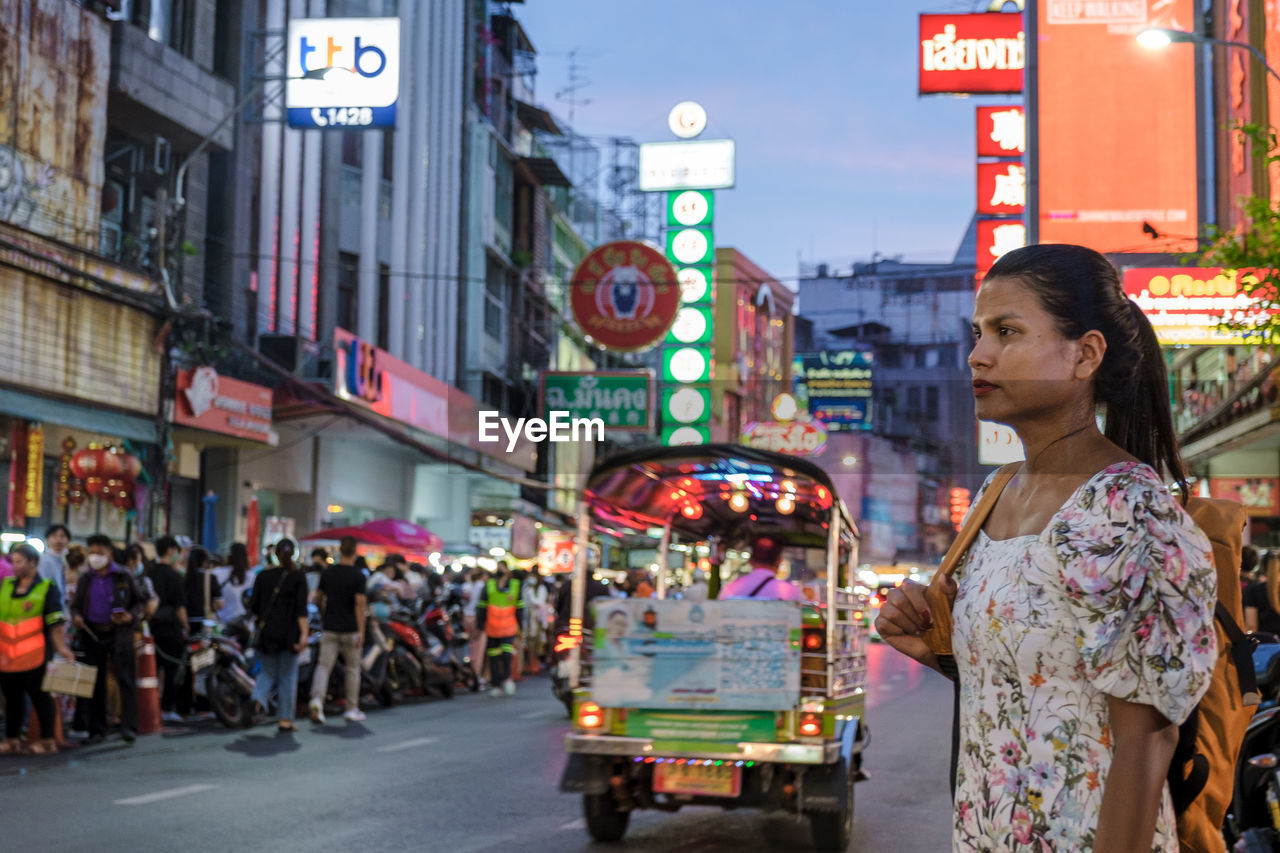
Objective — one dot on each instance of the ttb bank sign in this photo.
(343, 73)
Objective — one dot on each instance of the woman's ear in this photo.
(1093, 347)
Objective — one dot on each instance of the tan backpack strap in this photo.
(938, 637)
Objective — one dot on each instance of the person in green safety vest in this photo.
(500, 615)
(31, 623)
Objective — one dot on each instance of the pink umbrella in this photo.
(360, 534)
(405, 534)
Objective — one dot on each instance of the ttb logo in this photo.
(343, 72)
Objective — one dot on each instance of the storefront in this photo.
(78, 341)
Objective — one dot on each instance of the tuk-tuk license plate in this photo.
(202, 660)
(697, 779)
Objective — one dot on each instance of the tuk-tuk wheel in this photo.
(605, 821)
(832, 831)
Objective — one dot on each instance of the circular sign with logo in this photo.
(624, 296)
(687, 119)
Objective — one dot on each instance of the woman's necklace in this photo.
(1056, 440)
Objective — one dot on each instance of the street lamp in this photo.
(1156, 38)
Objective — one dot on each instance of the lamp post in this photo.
(1157, 38)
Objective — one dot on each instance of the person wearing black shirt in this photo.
(342, 596)
(199, 566)
(1262, 599)
(279, 607)
(169, 623)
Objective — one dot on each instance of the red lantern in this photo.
(97, 462)
(94, 485)
(76, 497)
(122, 501)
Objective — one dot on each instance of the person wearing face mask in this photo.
(106, 607)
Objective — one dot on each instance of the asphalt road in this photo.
(472, 774)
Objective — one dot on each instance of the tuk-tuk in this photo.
(735, 703)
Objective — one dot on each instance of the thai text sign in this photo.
(622, 399)
(1187, 305)
(971, 54)
(835, 387)
(624, 295)
(797, 438)
(224, 405)
(723, 655)
(702, 164)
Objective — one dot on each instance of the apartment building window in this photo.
(346, 313)
(495, 300)
(352, 148)
(388, 153)
(111, 226)
(166, 21)
(931, 403)
(384, 305)
(913, 400)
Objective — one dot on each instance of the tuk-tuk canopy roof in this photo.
(732, 492)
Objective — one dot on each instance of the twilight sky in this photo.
(837, 155)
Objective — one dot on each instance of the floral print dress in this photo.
(1114, 598)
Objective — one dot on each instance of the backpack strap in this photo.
(939, 636)
(1242, 646)
(761, 586)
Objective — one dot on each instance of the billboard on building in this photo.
(835, 387)
(55, 63)
(1188, 305)
(343, 73)
(971, 54)
(1117, 132)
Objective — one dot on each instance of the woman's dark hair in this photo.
(239, 559)
(196, 558)
(1081, 289)
(286, 551)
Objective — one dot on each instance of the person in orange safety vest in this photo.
(31, 622)
(500, 614)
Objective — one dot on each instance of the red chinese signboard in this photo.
(995, 238)
(1002, 188)
(1258, 495)
(798, 438)
(624, 296)
(971, 54)
(1187, 305)
(1002, 131)
(220, 404)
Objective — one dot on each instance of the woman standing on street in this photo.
(1083, 617)
(278, 605)
(32, 621)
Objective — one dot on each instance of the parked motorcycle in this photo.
(1253, 823)
(419, 662)
(374, 672)
(219, 661)
(442, 621)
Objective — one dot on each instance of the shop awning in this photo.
(111, 422)
(546, 172)
(536, 118)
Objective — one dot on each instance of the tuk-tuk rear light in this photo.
(590, 716)
(1267, 760)
(810, 725)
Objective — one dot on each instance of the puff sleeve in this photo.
(1139, 581)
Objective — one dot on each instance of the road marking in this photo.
(164, 795)
(580, 823)
(406, 744)
(537, 715)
